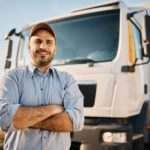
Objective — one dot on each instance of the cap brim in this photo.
(41, 26)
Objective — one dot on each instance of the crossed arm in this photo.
(60, 123)
(50, 117)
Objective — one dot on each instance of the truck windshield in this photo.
(87, 38)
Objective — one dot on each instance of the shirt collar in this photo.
(33, 70)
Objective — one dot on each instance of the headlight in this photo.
(110, 137)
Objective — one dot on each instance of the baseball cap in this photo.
(40, 26)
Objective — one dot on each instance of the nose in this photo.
(42, 46)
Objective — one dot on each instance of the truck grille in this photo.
(89, 92)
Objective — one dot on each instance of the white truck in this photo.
(107, 49)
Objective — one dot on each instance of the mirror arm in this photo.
(131, 68)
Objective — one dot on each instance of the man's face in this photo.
(42, 48)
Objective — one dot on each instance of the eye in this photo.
(49, 42)
(37, 41)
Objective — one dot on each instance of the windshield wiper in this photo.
(79, 61)
(74, 61)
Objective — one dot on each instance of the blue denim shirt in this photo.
(28, 87)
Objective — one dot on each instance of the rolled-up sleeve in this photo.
(9, 97)
(73, 103)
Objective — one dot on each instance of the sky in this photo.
(18, 13)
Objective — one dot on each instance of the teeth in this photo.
(43, 53)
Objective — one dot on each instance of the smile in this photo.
(42, 52)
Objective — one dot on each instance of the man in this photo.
(39, 105)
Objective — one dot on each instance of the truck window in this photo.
(84, 37)
(135, 44)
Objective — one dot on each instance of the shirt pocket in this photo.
(56, 96)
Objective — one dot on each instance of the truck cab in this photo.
(106, 48)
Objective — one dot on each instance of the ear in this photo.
(55, 51)
(29, 46)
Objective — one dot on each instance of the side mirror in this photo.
(146, 35)
(9, 53)
(148, 49)
(7, 64)
(146, 28)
